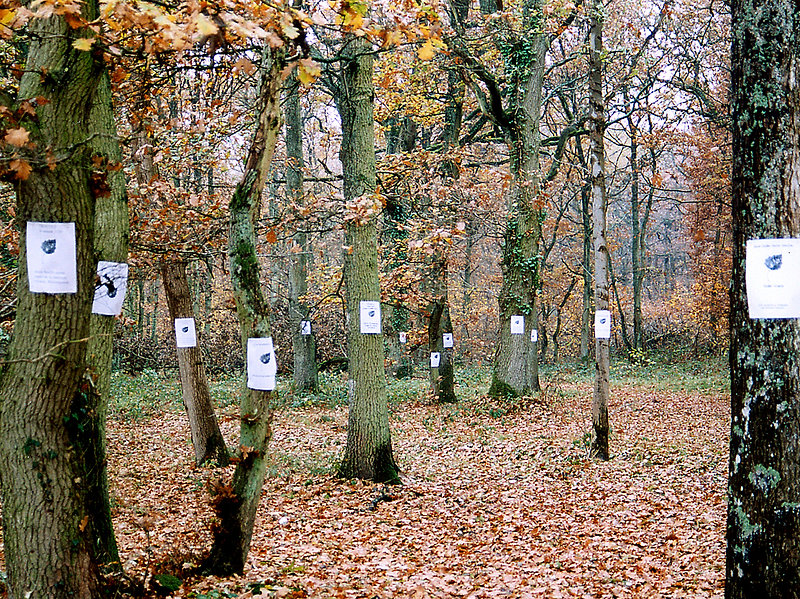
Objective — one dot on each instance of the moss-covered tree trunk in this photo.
(207, 440)
(236, 504)
(763, 526)
(597, 166)
(368, 453)
(303, 345)
(48, 526)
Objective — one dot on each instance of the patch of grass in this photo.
(144, 395)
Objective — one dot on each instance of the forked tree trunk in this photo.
(48, 542)
(304, 346)
(236, 504)
(207, 440)
(368, 453)
(763, 526)
(597, 124)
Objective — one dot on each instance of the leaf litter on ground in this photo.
(500, 499)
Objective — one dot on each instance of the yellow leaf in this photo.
(84, 44)
(288, 28)
(426, 52)
(17, 137)
(6, 16)
(205, 26)
(308, 71)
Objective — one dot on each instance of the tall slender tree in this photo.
(236, 503)
(597, 166)
(303, 342)
(763, 525)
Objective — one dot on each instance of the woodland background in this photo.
(489, 473)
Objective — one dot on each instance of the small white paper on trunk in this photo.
(403, 337)
(51, 257)
(185, 332)
(772, 277)
(534, 335)
(436, 358)
(305, 327)
(602, 324)
(517, 325)
(447, 339)
(262, 366)
(110, 287)
(370, 312)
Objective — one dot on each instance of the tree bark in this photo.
(368, 452)
(442, 376)
(236, 504)
(303, 346)
(597, 124)
(207, 440)
(48, 540)
(763, 524)
(110, 244)
(516, 362)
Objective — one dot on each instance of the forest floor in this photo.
(497, 500)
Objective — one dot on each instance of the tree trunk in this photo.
(368, 453)
(110, 244)
(236, 504)
(597, 123)
(516, 363)
(48, 541)
(442, 379)
(636, 242)
(207, 439)
(303, 346)
(763, 525)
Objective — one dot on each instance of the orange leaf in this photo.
(272, 237)
(17, 137)
(21, 169)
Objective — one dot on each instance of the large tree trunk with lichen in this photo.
(597, 165)
(48, 529)
(763, 526)
(303, 345)
(368, 452)
(207, 440)
(236, 504)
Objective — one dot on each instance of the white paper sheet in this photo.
(517, 325)
(602, 324)
(534, 335)
(436, 358)
(305, 327)
(447, 339)
(185, 332)
(110, 287)
(262, 366)
(51, 257)
(370, 313)
(403, 337)
(772, 277)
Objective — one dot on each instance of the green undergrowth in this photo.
(136, 397)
